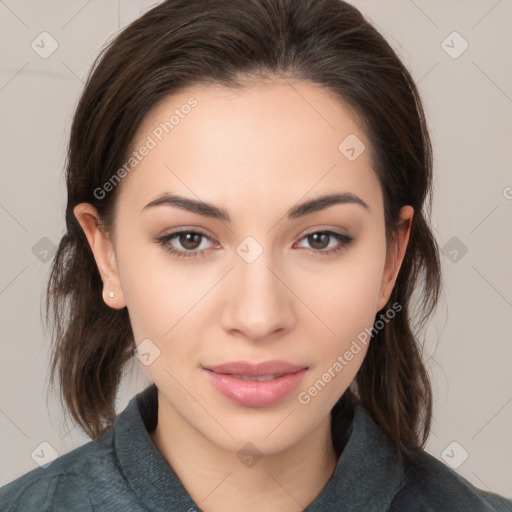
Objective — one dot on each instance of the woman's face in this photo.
(257, 284)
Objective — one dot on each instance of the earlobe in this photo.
(104, 255)
(395, 255)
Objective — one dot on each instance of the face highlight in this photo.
(222, 255)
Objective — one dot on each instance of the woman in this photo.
(248, 201)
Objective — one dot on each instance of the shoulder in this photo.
(398, 483)
(430, 485)
(63, 484)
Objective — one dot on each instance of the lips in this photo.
(255, 385)
(259, 378)
(255, 370)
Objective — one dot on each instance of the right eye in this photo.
(188, 239)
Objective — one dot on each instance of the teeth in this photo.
(260, 378)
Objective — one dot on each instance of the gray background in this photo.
(468, 100)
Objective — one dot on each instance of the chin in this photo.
(267, 430)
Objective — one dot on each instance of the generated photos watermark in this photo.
(343, 360)
(151, 142)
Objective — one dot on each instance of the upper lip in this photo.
(255, 369)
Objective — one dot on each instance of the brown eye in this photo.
(188, 240)
(319, 241)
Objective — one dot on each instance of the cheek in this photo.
(153, 294)
(346, 298)
(350, 315)
(347, 304)
(165, 299)
(338, 355)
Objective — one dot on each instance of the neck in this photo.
(217, 481)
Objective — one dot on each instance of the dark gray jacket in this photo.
(123, 471)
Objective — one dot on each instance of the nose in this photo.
(259, 304)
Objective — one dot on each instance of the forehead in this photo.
(274, 141)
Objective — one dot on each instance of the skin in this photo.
(255, 153)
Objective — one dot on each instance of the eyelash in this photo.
(345, 240)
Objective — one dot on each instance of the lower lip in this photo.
(253, 393)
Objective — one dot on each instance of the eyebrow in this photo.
(210, 210)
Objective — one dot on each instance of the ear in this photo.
(103, 251)
(395, 255)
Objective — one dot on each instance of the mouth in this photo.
(255, 385)
(261, 378)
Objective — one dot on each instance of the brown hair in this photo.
(180, 43)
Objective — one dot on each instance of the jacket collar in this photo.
(367, 476)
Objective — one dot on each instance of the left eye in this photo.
(318, 238)
(191, 242)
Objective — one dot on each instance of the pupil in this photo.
(189, 242)
(315, 237)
